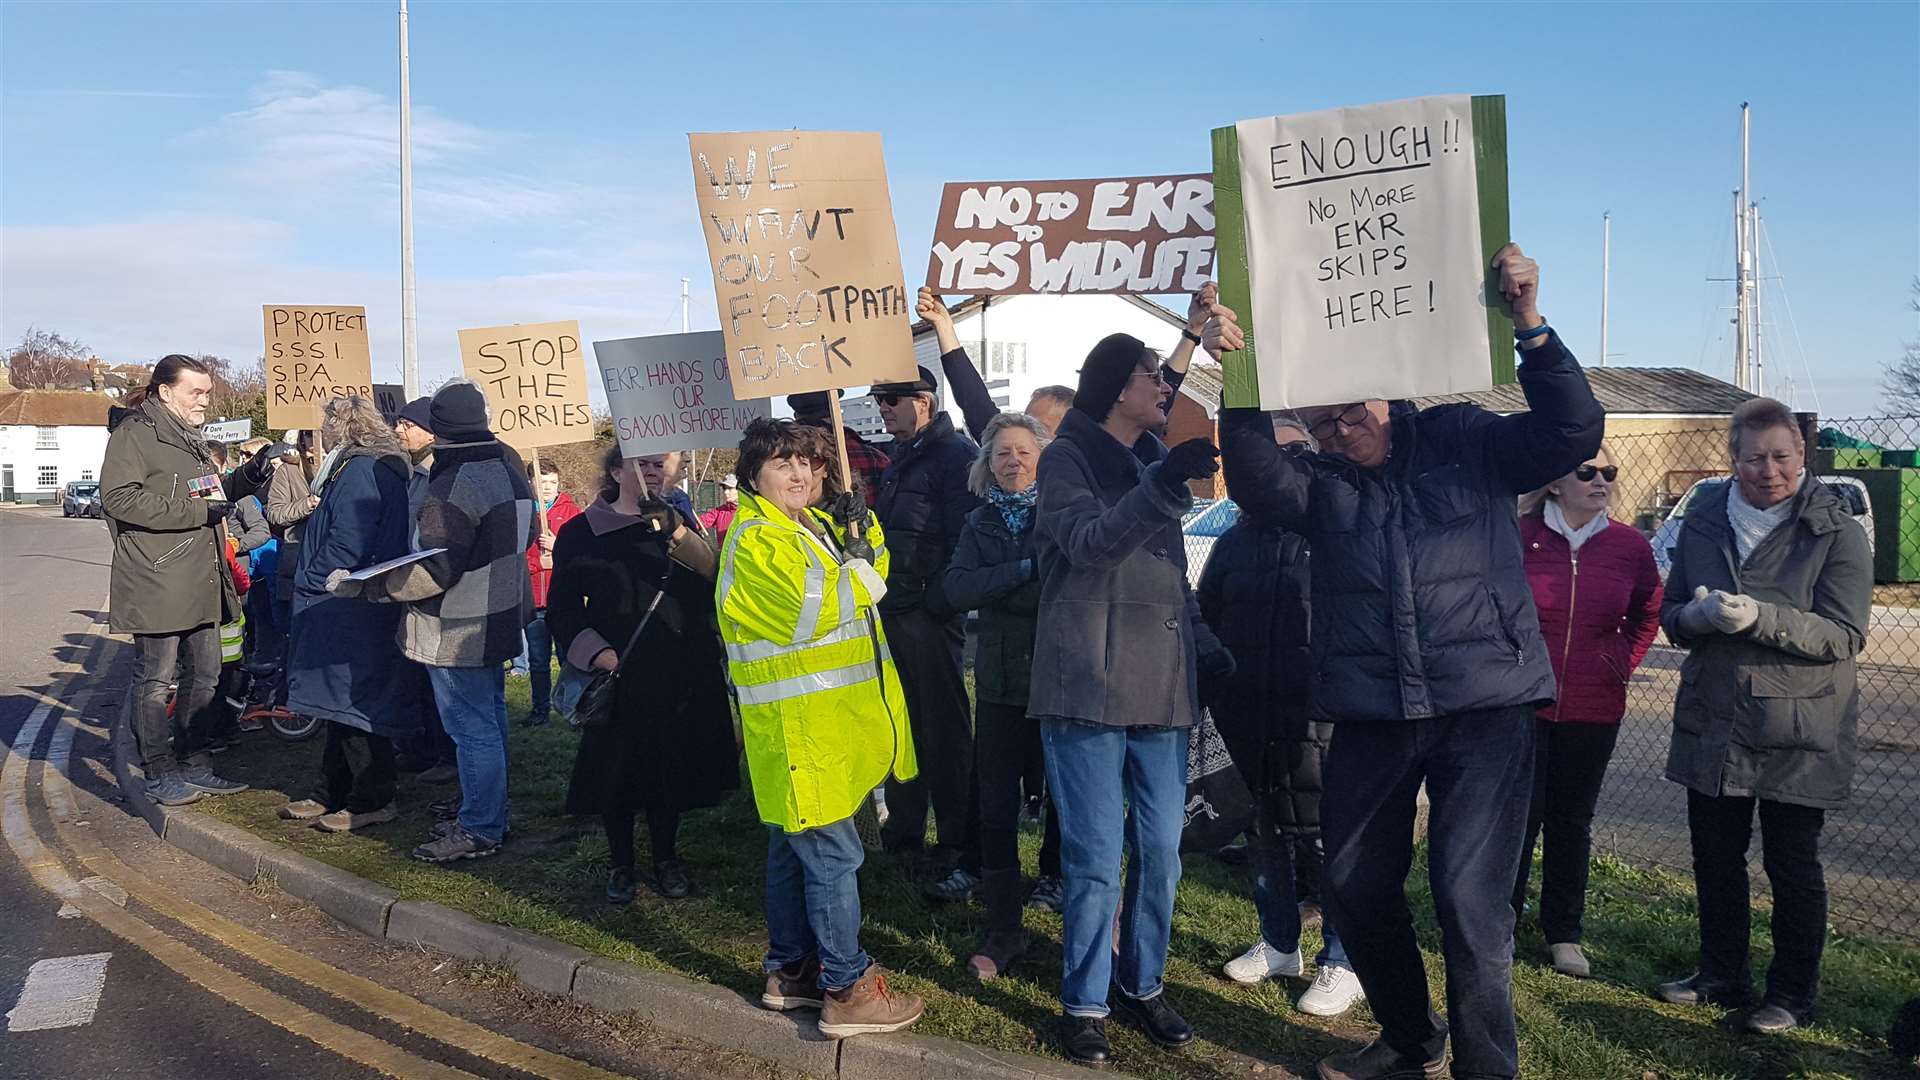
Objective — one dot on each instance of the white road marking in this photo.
(107, 889)
(60, 993)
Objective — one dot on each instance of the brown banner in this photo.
(1146, 234)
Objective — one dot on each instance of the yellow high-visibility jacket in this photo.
(821, 710)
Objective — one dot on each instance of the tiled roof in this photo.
(1620, 390)
(1627, 390)
(54, 408)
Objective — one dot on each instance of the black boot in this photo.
(1006, 938)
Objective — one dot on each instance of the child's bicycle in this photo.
(286, 725)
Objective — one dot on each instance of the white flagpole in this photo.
(409, 330)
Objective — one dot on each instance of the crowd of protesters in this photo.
(1412, 599)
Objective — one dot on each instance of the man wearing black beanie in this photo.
(1115, 665)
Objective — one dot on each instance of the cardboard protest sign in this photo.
(806, 266)
(389, 398)
(226, 431)
(673, 392)
(535, 379)
(1354, 244)
(1150, 234)
(314, 353)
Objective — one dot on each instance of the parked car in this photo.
(1204, 525)
(1853, 494)
(80, 498)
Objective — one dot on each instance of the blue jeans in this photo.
(1096, 773)
(1276, 897)
(539, 656)
(473, 706)
(1478, 768)
(813, 901)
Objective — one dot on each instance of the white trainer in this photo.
(1262, 962)
(1335, 990)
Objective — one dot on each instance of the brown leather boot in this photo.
(867, 1007)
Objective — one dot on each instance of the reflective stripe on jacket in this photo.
(823, 722)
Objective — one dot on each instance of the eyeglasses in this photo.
(1587, 472)
(1157, 378)
(1328, 427)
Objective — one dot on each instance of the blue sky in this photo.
(167, 168)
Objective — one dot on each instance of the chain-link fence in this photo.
(1871, 848)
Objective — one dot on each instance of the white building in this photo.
(1022, 343)
(49, 438)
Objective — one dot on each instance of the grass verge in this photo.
(1640, 930)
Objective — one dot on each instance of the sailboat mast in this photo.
(1743, 280)
(1606, 258)
(1753, 339)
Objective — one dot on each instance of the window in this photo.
(49, 476)
(86, 474)
(1005, 358)
(46, 438)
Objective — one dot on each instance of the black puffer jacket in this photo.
(996, 573)
(1420, 599)
(1253, 593)
(923, 505)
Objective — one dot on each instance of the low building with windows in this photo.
(49, 438)
(1022, 343)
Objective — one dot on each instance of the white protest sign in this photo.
(1364, 252)
(227, 431)
(673, 392)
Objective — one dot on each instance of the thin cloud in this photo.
(114, 93)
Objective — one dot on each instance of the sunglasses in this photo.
(890, 400)
(1609, 473)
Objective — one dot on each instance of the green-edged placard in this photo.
(1240, 375)
(1240, 378)
(1496, 225)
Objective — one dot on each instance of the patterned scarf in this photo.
(1016, 507)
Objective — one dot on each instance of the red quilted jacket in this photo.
(562, 511)
(1598, 613)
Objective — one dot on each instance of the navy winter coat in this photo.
(997, 574)
(924, 502)
(1420, 599)
(345, 663)
(1254, 594)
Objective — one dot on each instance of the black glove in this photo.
(1195, 459)
(847, 509)
(1217, 664)
(858, 548)
(216, 511)
(658, 518)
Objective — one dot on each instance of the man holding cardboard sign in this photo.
(1428, 657)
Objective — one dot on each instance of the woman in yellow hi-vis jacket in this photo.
(824, 723)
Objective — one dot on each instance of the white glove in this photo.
(1731, 613)
(338, 585)
(862, 569)
(1693, 618)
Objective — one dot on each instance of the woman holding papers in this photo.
(632, 591)
(344, 666)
